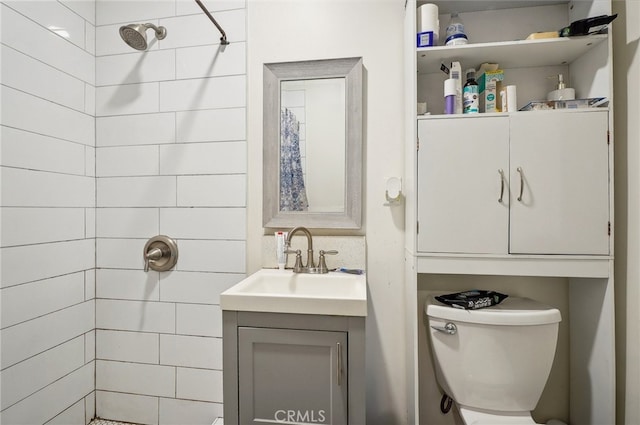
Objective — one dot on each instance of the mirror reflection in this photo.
(312, 142)
(312, 152)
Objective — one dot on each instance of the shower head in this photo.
(135, 35)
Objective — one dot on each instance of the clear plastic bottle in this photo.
(470, 97)
(455, 31)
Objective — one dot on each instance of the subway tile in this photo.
(127, 222)
(127, 99)
(194, 30)
(145, 129)
(53, 16)
(136, 347)
(191, 351)
(45, 404)
(204, 93)
(211, 191)
(90, 99)
(204, 223)
(84, 8)
(135, 378)
(110, 11)
(109, 42)
(52, 259)
(209, 61)
(199, 384)
(90, 346)
(27, 339)
(127, 407)
(90, 407)
(189, 7)
(180, 412)
(199, 320)
(127, 161)
(90, 222)
(90, 38)
(203, 158)
(212, 256)
(90, 161)
(89, 284)
(120, 253)
(128, 285)
(28, 188)
(23, 149)
(72, 415)
(23, 226)
(157, 191)
(35, 373)
(31, 300)
(140, 67)
(135, 316)
(26, 74)
(53, 120)
(28, 37)
(195, 287)
(214, 125)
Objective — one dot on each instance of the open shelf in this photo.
(462, 6)
(508, 54)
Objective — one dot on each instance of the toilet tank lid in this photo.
(513, 311)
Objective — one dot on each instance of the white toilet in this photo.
(494, 362)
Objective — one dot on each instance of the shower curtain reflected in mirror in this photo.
(293, 195)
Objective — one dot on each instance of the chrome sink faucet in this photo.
(310, 267)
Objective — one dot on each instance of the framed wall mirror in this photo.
(312, 158)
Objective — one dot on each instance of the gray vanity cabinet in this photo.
(293, 368)
(291, 375)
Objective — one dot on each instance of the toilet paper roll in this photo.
(428, 20)
(512, 99)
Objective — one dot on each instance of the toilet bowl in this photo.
(494, 362)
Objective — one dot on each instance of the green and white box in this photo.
(489, 84)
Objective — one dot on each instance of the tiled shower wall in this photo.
(48, 212)
(170, 159)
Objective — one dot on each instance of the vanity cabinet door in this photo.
(463, 191)
(560, 162)
(294, 376)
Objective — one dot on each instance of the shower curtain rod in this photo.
(223, 39)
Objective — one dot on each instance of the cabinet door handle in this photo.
(519, 169)
(339, 364)
(501, 173)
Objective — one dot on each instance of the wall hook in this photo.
(393, 194)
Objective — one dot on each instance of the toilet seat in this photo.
(484, 417)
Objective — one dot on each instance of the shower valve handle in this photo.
(152, 255)
(160, 253)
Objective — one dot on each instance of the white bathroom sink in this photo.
(282, 291)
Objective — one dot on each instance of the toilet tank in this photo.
(499, 357)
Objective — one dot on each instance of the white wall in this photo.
(626, 33)
(280, 31)
(48, 215)
(170, 159)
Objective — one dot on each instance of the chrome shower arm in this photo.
(223, 39)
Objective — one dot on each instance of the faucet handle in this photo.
(322, 264)
(297, 267)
